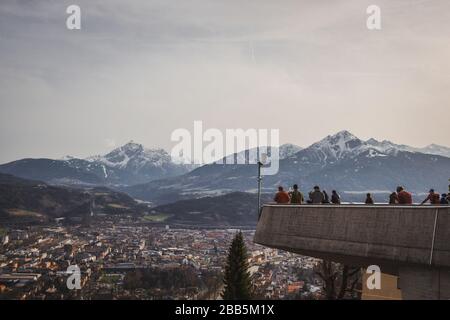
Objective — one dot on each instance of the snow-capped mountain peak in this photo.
(337, 146)
(132, 146)
(133, 163)
(134, 155)
(373, 141)
(130, 149)
(387, 146)
(345, 134)
(344, 144)
(342, 139)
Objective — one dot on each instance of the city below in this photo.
(122, 257)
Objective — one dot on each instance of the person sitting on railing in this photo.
(281, 197)
(444, 199)
(335, 198)
(369, 199)
(316, 196)
(393, 198)
(433, 197)
(296, 196)
(404, 197)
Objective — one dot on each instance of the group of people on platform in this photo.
(317, 196)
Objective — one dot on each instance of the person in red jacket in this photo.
(433, 197)
(281, 197)
(404, 197)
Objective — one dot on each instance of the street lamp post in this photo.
(260, 164)
(260, 161)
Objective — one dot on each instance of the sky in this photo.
(139, 69)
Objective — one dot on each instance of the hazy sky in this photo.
(138, 69)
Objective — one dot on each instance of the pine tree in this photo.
(237, 278)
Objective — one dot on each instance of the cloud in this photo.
(139, 69)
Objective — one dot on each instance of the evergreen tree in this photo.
(237, 278)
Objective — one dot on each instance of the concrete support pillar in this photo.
(424, 283)
(389, 288)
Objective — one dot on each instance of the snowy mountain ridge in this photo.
(346, 145)
(133, 155)
(341, 161)
(386, 146)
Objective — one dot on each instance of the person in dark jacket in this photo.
(369, 199)
(444, 198)
(316, 196)
(335, 198)
(296, 195)
(393, 198)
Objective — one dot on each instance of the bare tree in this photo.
(338, 281)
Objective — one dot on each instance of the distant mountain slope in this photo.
(390, 147)
(435, 149)
(50, 171)
(341, 161)
(13, 180)
(234, 209)
(251, 156)
(129, 164)
(26, 201)
(372, 171)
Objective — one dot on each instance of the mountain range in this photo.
(387, 146)
(340, 161)
(214, 194)
(129, 164)
(126, 165)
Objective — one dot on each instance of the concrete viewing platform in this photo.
(411, 242)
